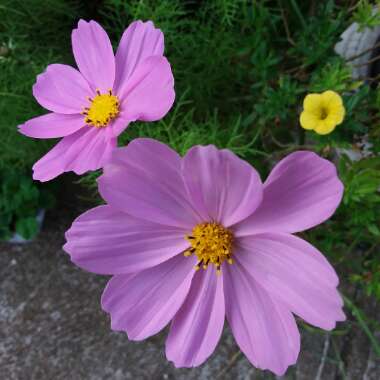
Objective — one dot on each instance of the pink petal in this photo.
(144, 180)
(94, 55)
(119, 124)
(143, 304)
(148, 94)
(62, 89)
(198, 325)
(302, 191)
(222, 186)
(139, 41)
(296, 273)
(106, 241)
(263, 328)
(87, 149)
(52, 125)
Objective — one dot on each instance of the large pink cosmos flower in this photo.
(171, 224)
(92, 106)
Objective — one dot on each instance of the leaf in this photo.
(27, 227)
(374, 229)
(5, 222)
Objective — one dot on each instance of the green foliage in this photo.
(361, 178)
(32, 35)
(314, 42)
(334, 75)
(353, 236)
(365, 15)
(27, 227)
(230, 134)
(277, 102)
(20, 201)
(29, 41)
(360, 214)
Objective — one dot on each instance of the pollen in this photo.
(103, 108)
(212, 244)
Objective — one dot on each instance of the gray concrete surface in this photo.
(52, 327)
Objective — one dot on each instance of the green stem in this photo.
(301, 136)
(298, 13)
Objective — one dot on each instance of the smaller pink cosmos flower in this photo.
(92, 106)
(172, 224)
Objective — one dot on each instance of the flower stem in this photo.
(301, 137)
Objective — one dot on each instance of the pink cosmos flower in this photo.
(172, 224)
(92, 106)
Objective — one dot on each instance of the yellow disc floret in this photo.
(211, 243)
(103, 108)
(322, 112)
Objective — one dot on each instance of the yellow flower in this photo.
(322, 112)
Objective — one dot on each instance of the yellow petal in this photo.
(340, 118)
(308, 120)
(325, 127)
(338, 114)
(312, 103)
(331, 99)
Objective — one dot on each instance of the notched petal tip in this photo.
(66, 246)
(82, 23)
(93, 54)
(22, 129)
(39, 176)
(141, 22)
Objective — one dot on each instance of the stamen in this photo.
(103, 109)
(198, 266)
(212, 244)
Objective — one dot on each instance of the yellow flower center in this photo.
(211, 243)
(323, 113)
(103, 108)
